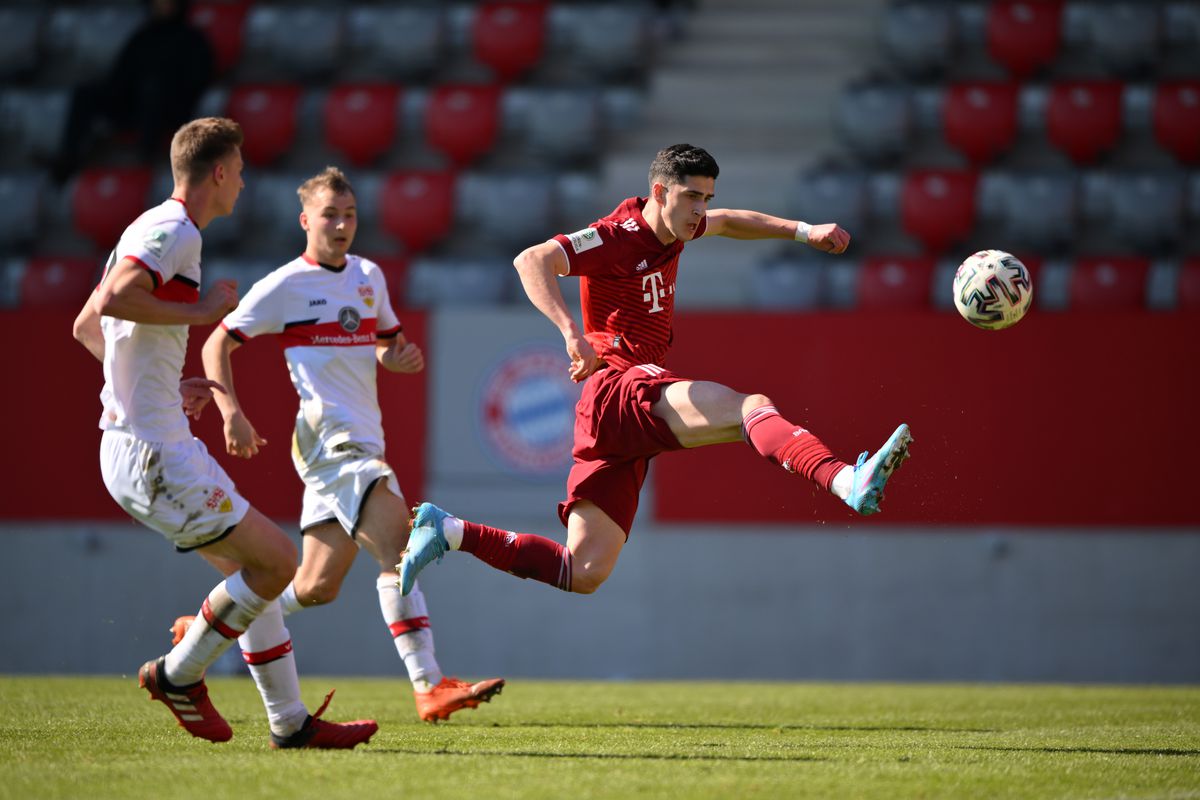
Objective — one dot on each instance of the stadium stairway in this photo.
(755, 83)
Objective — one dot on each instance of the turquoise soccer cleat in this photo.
(426, 542)
(871, 474)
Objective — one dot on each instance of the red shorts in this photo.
(616, 435)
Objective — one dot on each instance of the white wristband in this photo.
(802, 229)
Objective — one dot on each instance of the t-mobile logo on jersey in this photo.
(657, 290)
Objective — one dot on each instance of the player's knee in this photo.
(319, 593)
(753, 401)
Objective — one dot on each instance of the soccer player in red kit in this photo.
(632, 407)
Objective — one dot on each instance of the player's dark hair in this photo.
(200, 144)
(330, 178)
(679, 161)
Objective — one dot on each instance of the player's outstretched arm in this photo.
(399, 355)
(87, 328)
(241, 439)
(127, 292)
(733, 223)
(539, 267)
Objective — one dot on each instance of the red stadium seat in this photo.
(509, 36)
(980, 118)
(105, 201)
(895, 282)
(1083, 118)
(1099, 283)
(51, 282)
(937, 207)
(360, 120)
(417, 207)
(267, 114)
(1024, 35)
(462, 121)
(1177, 119)
(1189, 285)
(395, 272)
(222, 24)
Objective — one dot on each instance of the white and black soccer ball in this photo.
(992, 289)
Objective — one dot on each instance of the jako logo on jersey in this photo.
(320, 302)
(585, 239)
(644, 265)
(656, 290)
(349, 319)
(525, 412)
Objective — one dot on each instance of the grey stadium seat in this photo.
(31, 122)
(876, 121)
(20, 197)
(611, 39)
(290, 42)
(919, 36)
(82, 43)
(563, 124)
(1148, 208)
(1039, 210)
(512, 210)
(789, 283)
(1125, 36)
(19, 29)
(434, 282)
(393, 41)
(831, 195)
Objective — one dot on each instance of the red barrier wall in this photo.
(51, 406)
(1064, 419)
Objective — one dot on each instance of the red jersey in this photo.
(627, 285)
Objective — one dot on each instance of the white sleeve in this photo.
(165, 248)
(386, 321)
(262, 310)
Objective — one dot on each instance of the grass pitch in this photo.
(101, 738)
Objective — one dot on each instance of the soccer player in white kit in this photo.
(136, 323)
(335, 322)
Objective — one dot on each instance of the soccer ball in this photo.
(992, 289)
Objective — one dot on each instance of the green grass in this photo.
(99, 738)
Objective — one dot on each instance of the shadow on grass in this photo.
(1114, 751)
(725, 726)
(596, 756)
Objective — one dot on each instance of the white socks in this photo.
(227, 611)
(408, 621)
(267, 649)
(452, 529)
(842, 482)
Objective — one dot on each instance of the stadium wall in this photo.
(1041, 532)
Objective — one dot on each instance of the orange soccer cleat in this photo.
(318, 734)
(179, 628)
(189, 704)
(452, 695)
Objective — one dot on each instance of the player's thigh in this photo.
(383, 525)
(595, 542)
(701, 412)
(327, 554)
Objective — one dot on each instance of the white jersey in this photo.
(143, 363)
(328, 321)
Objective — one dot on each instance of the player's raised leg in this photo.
(383, 532)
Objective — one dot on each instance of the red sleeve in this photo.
(595, 250)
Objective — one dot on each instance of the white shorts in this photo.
(336, 484)
(176, 488)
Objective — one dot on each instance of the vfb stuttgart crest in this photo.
(349, 319)
(526, 412)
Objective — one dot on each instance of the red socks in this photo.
(790, 446)
(523, 554)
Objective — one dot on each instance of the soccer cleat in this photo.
(426, 542)
(317, 734)
(179, 628)
(452, 695)
(871, 474)
(189, 704)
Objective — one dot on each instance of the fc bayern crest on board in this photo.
(525, 412)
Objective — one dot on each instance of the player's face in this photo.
(685, 204)
(231, 184)
(331, 221)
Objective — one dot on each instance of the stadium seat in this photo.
(509, 36)
(876, 121)
(21, 195)
(1099, 283)
(895, 282)
(462, 121)
(267, 114)
(1125, 36)
(937, 207)
(562, 125)
(1189, 285)
(1147, 209)
(919, 36)
(105, 201)
(831, 195)
(272, 211)
(222, 23)
(391, 42)
(52, 282)
(609, 40)
(1083, 118)
(1024, 35)
(81, 44)
(291, 42)
(19, 29)
(788, 283)
(508, 209)
(417, 207)
(395, 272)
(1176, 118)
(979, 118)
(1040, 210)
(433, 283)
(360, 120)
